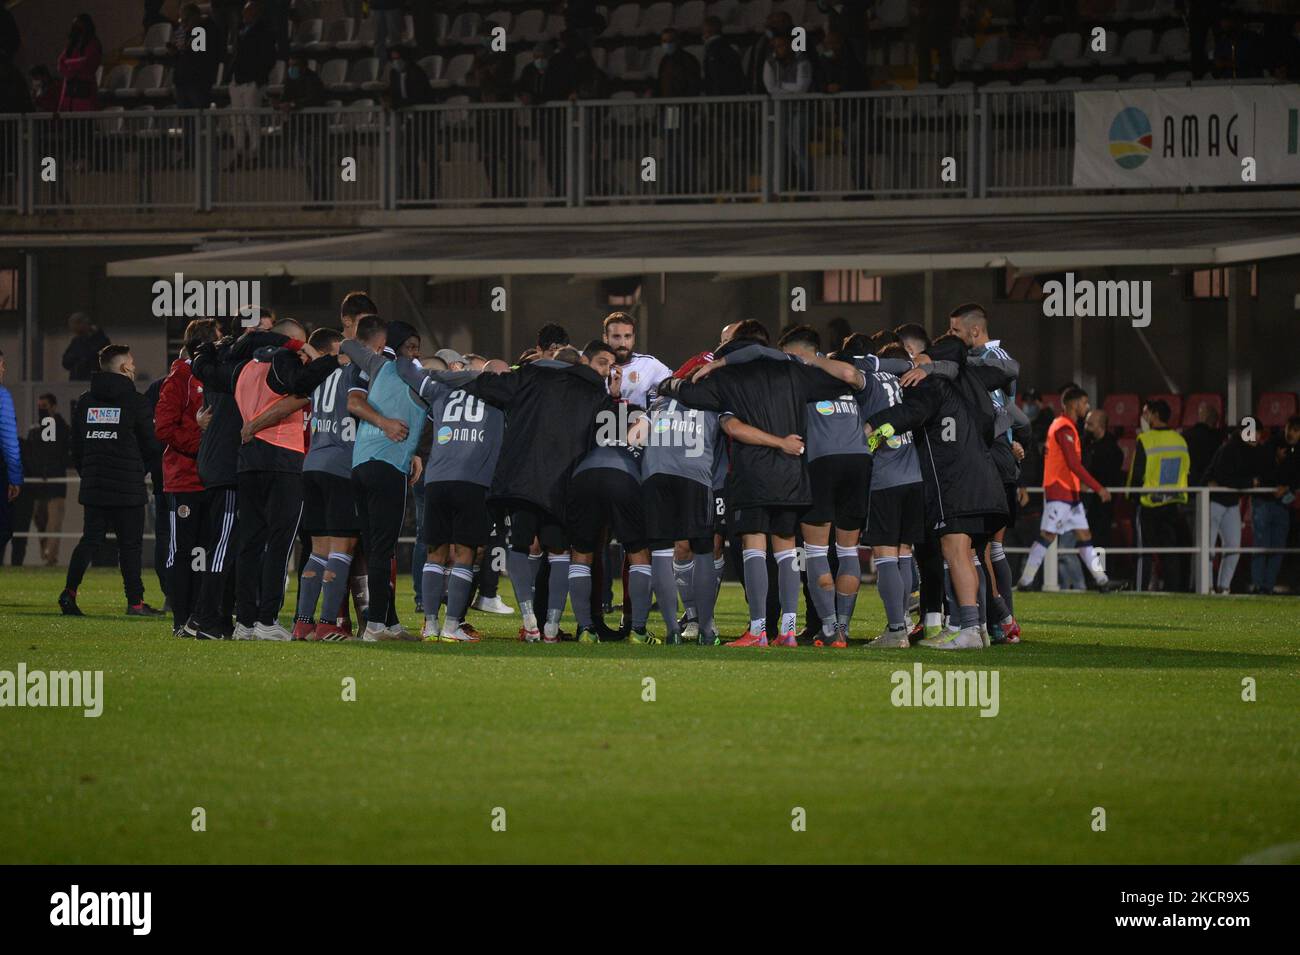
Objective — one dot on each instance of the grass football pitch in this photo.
(1131, 704)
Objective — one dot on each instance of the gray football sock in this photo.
(666, 583)
(309, 587)
(431, 587)
(682, 574)
(580, 594)
(557, 590)
(703, 585)
(889, 583)
(756, 584)
(850, 566)
(335, 590)
(823, 598)
(1006, 586)
(459, 585)
(638, 582)
(523, 577)
(788, 584)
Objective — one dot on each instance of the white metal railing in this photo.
(1003, 141)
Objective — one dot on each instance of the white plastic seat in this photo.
(308, 32)
(528, 26)
(154, 42)
(336, 33)
(334, 74)
(147, 77)
(362, 39)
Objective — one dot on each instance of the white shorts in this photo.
(1062, 516)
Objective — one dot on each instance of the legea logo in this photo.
(1130, 138)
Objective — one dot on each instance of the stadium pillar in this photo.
(1051, 583)
(1239, 379)
(1078, 368)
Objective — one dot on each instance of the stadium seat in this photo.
(154, 43)
(459, 68)
(1136, 44)
(163, 89)
(464, 29)
(1106, 79)
(308, 32)
(963, 51)
(407, 39)
(795, 8)
(498, 18)
(1172, 47)
(363, 74)
(1110, 48)
(118, 79)
(616, 64)
(147, 77)
(1179, 76)
(1175, 403)
(1143, 78)
(729, 12)
(336, 32)
(1192, 407)
(753, 15)
(334, 74)
(1123, 411)
(623, 21)
(433, 67)
(554, 25)
(275, 81)
(599, 55)
(1065, 47)
(528, 26)
(656, 18)
(1157, 10)
(996, 49)
(522, 59)
(440, 23)
(689, 17)
(362, 39)
(1274, 408)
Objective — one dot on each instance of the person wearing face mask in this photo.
(253, 62)
(195, 70)
(778, 24)
(304, 89)
(112, 438)
(78, 63)
(789, 73)
(549, 78)
(408, 85)
(837, 70)
(679, 77)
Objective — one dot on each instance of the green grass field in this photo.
(1130, 703)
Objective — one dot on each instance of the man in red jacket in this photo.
(177, 429)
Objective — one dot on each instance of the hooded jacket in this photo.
(551, 422)
(772, 396)
(952, 423)
(175, 427)
(112, 439)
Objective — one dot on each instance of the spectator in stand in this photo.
(78, 64)
(838, 69)
(1160, 466)
(46, 90)
(153, 13)
(1232, 466)
(494, 75)
(226, 14)
(778, 24)
(1277, 465)
(81, 357)
(787, 73)
(1203, 439)
(1103, 459)
(390, 23)
(195, 71)
(408, 85)
(11, 40)
(679, 76)
(11, 459)
(303, 89)
(591, 81)
(849, 19)
(15, 97)
(723, 74)
(549, 78)
(934, 30)
(49, 455)
(277, 16)
(254, 59)
(583, 20)
(1238, 52)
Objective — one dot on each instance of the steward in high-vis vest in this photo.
(1160, 466)
(271, 392)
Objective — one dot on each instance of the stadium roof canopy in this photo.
(879, 247)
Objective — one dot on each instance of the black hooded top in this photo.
(112, 438)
